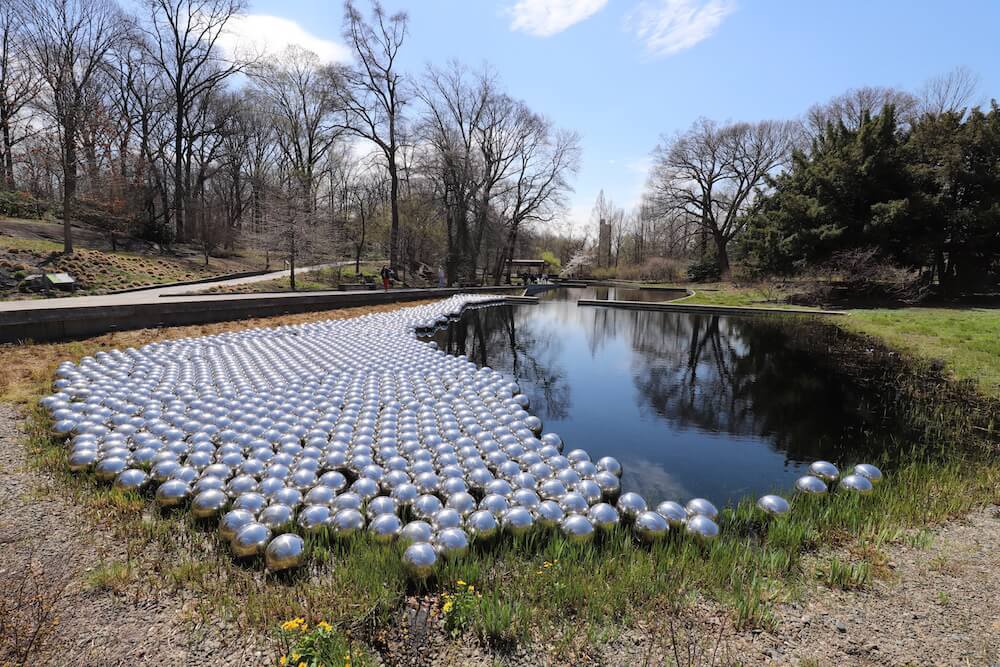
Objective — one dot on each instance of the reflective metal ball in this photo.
(482, 525)
(824, 470)
(251, 540)
(232, 521)
(701, 507)
(673, 512)
(172, 493)
(773, 505)
(810, 484)
(867, 470)
(209, 503)
(702, 527)
(419, 560)
(285, 552)
(630, 505)
(857, 484)
(415, 532)
(650, 527)
(451, 542)
(549, 513)
(385, 528)
(577, 528)
(517, 521)
(603, 516)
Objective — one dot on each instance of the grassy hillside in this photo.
(30, 246)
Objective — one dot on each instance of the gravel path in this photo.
(43, 538)
(940, 604)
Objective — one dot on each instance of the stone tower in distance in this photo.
(604, 245)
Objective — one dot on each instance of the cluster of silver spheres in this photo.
(340, 427)
(823, 473)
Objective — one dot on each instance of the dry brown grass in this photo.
(27, 370)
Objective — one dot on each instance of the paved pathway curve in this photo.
(153, 294)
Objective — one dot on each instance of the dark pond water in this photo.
(691, 404)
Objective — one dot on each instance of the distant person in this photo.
(386, 276)
(442, 282)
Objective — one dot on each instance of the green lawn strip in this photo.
(966, 340)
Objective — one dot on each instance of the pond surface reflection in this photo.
(691, 404)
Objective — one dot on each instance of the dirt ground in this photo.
(940, 604)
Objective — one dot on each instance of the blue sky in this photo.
(624, 72)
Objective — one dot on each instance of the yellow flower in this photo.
(546, 564)
(448, 606)
(296, 656)
(460, 582)
(283, 661)
(472, 589)
(302, 664)
(326, 627)
(294, 624)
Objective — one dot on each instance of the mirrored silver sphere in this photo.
(702, 507)
(232, 521)
(517, 521)
(810, 484)
(673, 512)
(451, 542)
(276, 516)
(347, 522)
(285, 552)
(857, 484)
(482, 525)
(415, 532)
(419, 559)
(577, 528)
(132, 479)
(603, 516)
(630, 505)
(251, 540)
(549, 514)
(824, 470)
(209, 504)
(701, 527)
(172, 493)
(385, 528)
(650, 527)
(773, 505)
(867, 470)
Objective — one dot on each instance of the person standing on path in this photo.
(441, 278)
(386, 274)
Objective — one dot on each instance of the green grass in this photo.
(966, 341)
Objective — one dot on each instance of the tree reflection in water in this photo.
(719, 405)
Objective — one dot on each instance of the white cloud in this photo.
(667, 27)
(544, 18)
(264, 35)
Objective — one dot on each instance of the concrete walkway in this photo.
(153, 294)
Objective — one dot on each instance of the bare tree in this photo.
(371, 93)
(540, 181)
(183, 38)
(713, 174)
(851, 107)
(953, 91)
(18, 87)
(454, 109)
(69, 40)
(301, 105)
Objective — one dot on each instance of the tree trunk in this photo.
(291, 268)
(722, 254)
(178, 204)
(69, 183)
(394, 206)
(8, 157)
